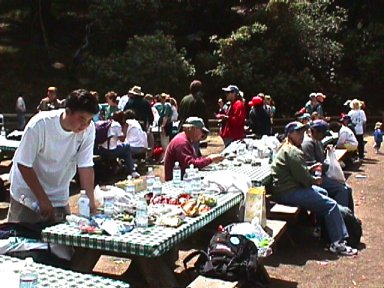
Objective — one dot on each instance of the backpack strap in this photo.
(192, 255)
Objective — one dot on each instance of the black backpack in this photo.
(228, 257)
(353, 225)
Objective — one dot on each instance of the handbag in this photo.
(334, 170)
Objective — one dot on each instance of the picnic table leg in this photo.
(84, 259)
(156, 271)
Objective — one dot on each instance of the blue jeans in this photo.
(122, 151)
(315, 199)
(341, 193)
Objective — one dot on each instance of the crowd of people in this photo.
(44, 165)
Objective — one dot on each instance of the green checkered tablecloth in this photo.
(8, 145)
(153, 242)
(49, 276)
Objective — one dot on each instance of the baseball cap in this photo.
(320, 125)
(312, 95)
(231, 88)
(256, 100)
(294, 126)
(196, 122)
(52, 89)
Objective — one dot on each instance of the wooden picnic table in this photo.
(49, 276)
(151, 250)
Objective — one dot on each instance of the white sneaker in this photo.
(341, 248)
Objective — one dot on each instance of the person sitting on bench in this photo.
(347, 139)
(114, 148)
(314, 152)
(135, 136)
(293, 185)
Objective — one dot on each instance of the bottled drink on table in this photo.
(176, 174)
(150, 179)
(83, 203)
(3, 134)
(188, 181)
(141, 218)
(157, 187)
(196, 182)
(28, 276)
(130, 188)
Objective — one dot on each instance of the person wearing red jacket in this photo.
(234, 119)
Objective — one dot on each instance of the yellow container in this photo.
(255, 209)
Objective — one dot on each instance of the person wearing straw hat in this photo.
(358, 119)
(294, 185)
(140, 106)
(378, 136)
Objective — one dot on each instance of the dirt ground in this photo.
(301, 260)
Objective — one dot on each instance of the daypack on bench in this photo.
(228, 257)
(102, 128)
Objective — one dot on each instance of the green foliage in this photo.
(150, 61)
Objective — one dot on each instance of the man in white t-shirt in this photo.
(55, 144)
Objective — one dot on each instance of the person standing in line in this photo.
(55, 144)
(358, 119)
(235, 116)
(20, 111)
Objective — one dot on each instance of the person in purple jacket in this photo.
(181, 148)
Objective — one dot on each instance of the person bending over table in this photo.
(293, 185)
(314, 152)
(181, 148)
(54, 144)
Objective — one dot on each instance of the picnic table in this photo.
(49, 276)
(150, 249)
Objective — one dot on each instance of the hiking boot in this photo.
(341, 248)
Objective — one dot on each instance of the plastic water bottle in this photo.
(157, 187)
(30, 203)
(141, 214)
(187, 180)
(176, 174)
(196, 182)
(130, 188)
(83, 203)
(28, 276)
(150, 179)
(3, 134)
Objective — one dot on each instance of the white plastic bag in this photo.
(334, 170)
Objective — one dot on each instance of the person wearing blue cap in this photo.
(314, 152)
(235, 116)
(293, 185)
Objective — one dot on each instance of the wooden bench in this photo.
(276, 229)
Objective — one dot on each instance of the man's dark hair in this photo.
(82, 100)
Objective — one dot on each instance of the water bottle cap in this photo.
(177, 163)
(129, 177)
(82, 192)
(150, 169)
